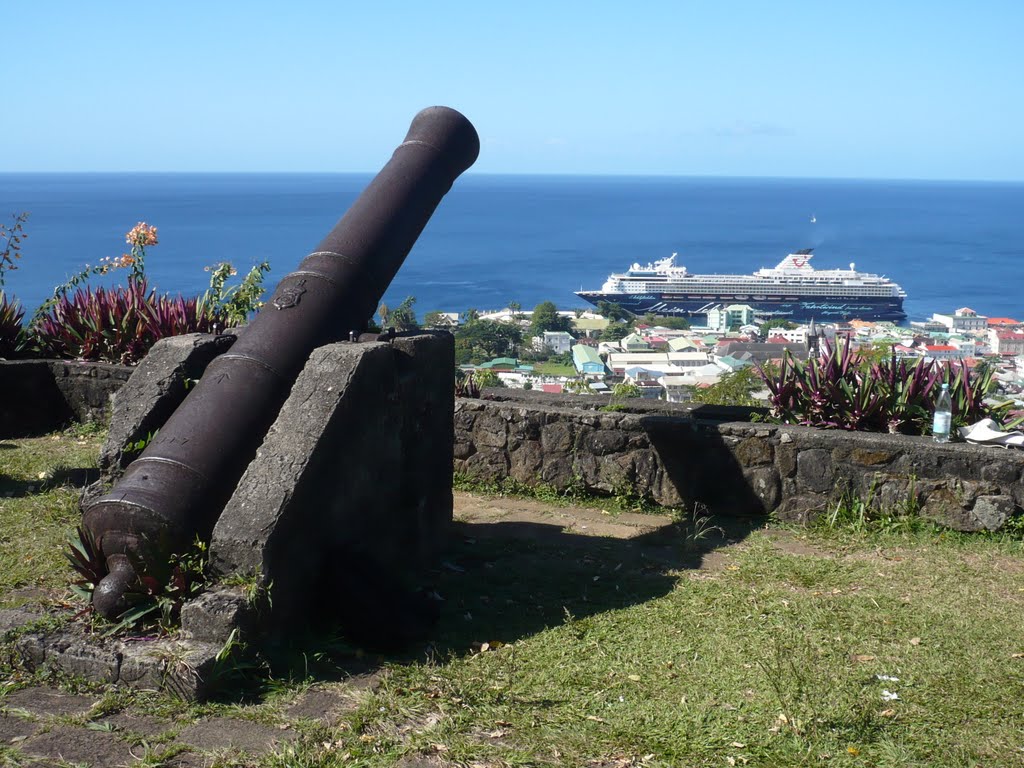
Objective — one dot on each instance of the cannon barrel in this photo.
(178, 486)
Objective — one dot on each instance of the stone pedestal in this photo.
(349, 494)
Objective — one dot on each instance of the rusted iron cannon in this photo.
(177, 488)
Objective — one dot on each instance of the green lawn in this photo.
(778, 647)
(554, 369)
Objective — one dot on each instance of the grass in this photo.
(624, 499)
(775, 647)
(38, 505)
(553, 369)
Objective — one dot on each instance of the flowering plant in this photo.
(120, 324)
(232, 305)
(11, 311)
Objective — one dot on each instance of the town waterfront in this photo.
(526, 239)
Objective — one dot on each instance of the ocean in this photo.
(497, 239)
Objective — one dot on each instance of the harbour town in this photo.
(677, 360)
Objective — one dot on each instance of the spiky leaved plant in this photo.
(831, 391)
(467, 386)
(11, 315)
(839, 390)
(87, 562)
(155, 601)
(116, 325)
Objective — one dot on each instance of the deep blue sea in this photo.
(496, 239)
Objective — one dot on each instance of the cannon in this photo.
(175, 490)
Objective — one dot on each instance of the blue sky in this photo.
(867, 89)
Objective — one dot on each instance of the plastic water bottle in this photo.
(943, 416)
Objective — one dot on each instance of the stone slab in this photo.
(324, 704)
(223, 733)
(157, 386)
(13, 727)
(48, 702)
(97, 749)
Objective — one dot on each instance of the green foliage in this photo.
(478, 341)
(401, 318)
(615, 331)
(139, 446)
(621, 392)
(437, 319)
(157, 598)
(614, 312)
(232, 305)
(578, 386)
(865, 513)
(546, 318)
(120, 324)
(666, 321)
(733, 388)
(778, 322)
(466, 384)
(485, 377)
(625, 389)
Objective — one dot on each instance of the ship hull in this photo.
(819, 308)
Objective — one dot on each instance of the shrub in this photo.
(117, 325)
(11, 315)
(840, 390)
(233, 304)
(120, 324)
(11, 311)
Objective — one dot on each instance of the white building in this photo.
(963, 319)
(794, 336)
(559, 342)
(723, 319)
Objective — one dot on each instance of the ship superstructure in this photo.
(792, 290)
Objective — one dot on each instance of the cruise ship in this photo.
(793, 290)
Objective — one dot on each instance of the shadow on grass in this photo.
(505, 581)
(62, 477)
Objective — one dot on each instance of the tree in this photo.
(612, 311)
(480, 340)
(546, 318)
(437, 319)
(778, 322)
(402, 317)
(470, 315)
(734, 388)
(626, 389)
(675, 323)
(615, 331)
(484, 377)
(514, 307)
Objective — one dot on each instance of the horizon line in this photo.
(515, 174)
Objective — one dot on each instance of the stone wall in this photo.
(679, 455)
(40, 396)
